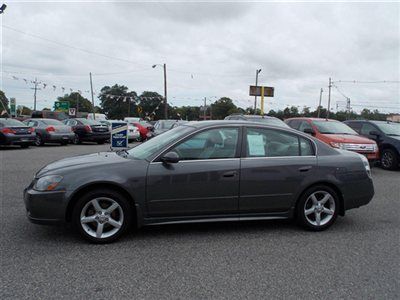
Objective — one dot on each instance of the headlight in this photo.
(366, 164)
(47, 183)
(337, 145)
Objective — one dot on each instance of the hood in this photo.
(348, 138)
(83, 161)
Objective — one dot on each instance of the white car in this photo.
(133, 132)
(133, 119)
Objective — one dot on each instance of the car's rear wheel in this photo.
(76, 140)
(318, 208)
(39, 140)
(24, 146)
(102, 216)
(64, 143)
(389, 159)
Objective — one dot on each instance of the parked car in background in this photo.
(97, 117)
(257, 118)
(50, 131)
(337, 135)
(387, 136)
(132, 119)
(162, 126)
(202, 172)
(48, 114)
(14, 132)
(144, 133)
(86, 130)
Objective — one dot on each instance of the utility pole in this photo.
(329, 98)
(77, 104)
(319, 105)
(255, 97)
(205, 108)
(129, 106)
(348, 108)
(91, 90)
(35, 91)
(165, 92)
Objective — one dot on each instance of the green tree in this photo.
(115, 103)
(152, 106)
(75, 98)
(222, 108)
(4, 102)
(23, 110)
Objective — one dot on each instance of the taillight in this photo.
(50, 129)
(31, 129)
(7, 130)
(88, 128)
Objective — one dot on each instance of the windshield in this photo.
(52, 122)
(332, 127)
(153, 146)
(269, 121)
(389, 128)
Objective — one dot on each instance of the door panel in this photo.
(195, 187)
(269, 184)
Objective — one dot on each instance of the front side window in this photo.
(304, 125)
(209, 144)
(276, 143)
(367, 128)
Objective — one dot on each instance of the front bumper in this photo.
(45, 207)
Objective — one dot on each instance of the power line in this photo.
(359, 81)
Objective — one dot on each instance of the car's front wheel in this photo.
(102, 216)
(318, 208)
(76, 140)
(389, 159)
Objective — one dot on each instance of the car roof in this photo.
(312, 119)
(202, 124)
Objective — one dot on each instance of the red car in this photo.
(145, 133)
(337, 135)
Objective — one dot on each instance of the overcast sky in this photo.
(211, 50)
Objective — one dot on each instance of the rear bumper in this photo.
(94, 137)
(18, 139)
(59, 137)
(358, 193)
(45, 207)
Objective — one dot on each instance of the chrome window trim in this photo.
(272, 157)
(289, 130)
(199, 160)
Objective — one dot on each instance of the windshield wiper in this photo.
(393, 134)
(123, 152)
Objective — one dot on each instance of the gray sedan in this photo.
(50, 131)
(202, 172)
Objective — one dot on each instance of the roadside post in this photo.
(13, 107)
(119, 135)
(263, 91)
(72, 111)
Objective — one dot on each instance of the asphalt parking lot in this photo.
(356, 258)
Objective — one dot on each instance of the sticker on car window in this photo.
(256, 145)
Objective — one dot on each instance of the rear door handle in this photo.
(305, 168)
(229, 174)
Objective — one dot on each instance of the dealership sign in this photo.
(119, 135)
(13, 107)
(61, 106)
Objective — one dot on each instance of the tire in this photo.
(76, 140)
(308, 208)
(24, 146)
(39, 140)
(389, 159)
(86, 209)
(63, 143)
(100, 142)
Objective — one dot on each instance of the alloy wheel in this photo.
(387, 159)
(38, 140)
(319, 208)
(102, 217)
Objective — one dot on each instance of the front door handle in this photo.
(230, 174)
(305, 168)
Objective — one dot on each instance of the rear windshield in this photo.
(11, 122)
(269, 121)
(52, 122)
(89, 122)
(332, 127)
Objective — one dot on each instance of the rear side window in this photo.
(294, 123)
(276, 143)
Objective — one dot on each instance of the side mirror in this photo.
(170, 158)
(374, 132)
(309, 131)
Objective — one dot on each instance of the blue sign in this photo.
(119, 135)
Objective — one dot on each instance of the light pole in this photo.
(165, 89)
(255, 97)
(2, 8)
